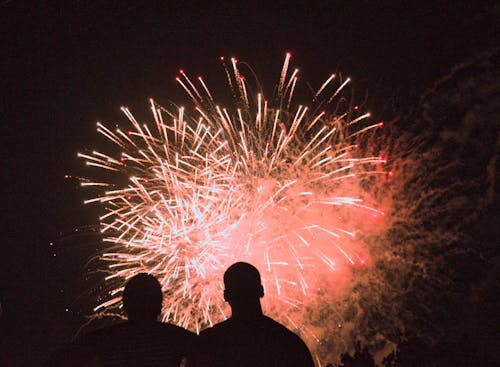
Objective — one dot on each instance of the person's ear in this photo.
(227, 295)
(261, 291)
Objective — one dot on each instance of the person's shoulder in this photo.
(276, 327)
(217, 329)
(174, 329)
(293, 343)
(271, 323)
(105, 331)
(133, 328)
(110, 330)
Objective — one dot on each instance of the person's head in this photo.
(142, 297)
(242, 284)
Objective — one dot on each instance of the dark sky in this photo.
(65, 65)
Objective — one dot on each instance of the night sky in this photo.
(66, 65)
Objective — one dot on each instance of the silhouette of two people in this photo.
(248, 337)
(140, 341)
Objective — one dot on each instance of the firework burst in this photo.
(269, 182)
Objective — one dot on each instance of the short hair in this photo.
(242, 280)
(142, 296)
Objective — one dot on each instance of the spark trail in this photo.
(267, 181)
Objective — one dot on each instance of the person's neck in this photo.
(246, 311)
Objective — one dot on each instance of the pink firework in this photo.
(268, 181)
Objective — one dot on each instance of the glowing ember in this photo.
(268, 182)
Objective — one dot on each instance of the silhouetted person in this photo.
(249, 338)
(140, 341)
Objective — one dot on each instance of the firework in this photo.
(267, 181)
